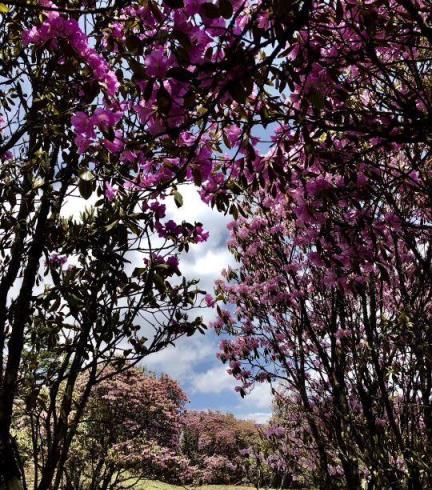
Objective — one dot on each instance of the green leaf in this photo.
(183, 38)
(226, 9)
(180, 74)
(238, 92)
(159, 282)
(139, 70)
(148, 89)
(3, 9)
(86, 184)
(174, 4)
(196, 173)
(210, 10)
(163, 267)
(37, 183)
(134, 45)
(163, 100)
(178, 199)
(87, 176)
(317, 99)
(74, 301)
(156, 11)
(234, 211)
(138, 271)
(85, 188)
(112, 225)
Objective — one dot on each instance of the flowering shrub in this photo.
(340, 352)
(105, 101)
(131, 426)
(332, 292)
(214, 442)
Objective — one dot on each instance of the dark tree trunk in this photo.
(10, 472)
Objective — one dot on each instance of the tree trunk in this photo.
(10, 473)
(12, 484)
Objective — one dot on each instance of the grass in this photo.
(157, 485)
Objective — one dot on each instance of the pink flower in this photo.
(210, 301)
(58, 27)
(82, 123)
(157, 63)
(233, 134)
(158, 209)
(110, 192)
(116, 145)
(105, 118)
(57, 260)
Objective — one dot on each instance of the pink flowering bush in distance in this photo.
(214, 442)
(135, 427)
(131, 428)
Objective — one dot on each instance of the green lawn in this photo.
(157, 485)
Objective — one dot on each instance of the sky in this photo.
(193, 362)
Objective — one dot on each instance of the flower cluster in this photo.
(57, 28)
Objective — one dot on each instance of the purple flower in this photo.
(110, 192)
(210, 301)
(57, 260)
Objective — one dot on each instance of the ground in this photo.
(156, 485)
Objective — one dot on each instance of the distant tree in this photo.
(130, 430)
(214, 441)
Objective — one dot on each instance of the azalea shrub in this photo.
(105, 102)
(215, 442)
(330, 301)
(130, 429)
(117, 103)
(342, 353)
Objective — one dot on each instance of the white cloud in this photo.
(193, 359)
(181, 360)
(258, 417)
(214, 380)
(193, 208)
(260, 397)
(210, 263)
(75, 205)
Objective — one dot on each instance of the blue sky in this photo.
(193, 361)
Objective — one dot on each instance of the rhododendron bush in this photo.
(215, 443)
(135, 427)
(131, 427)
(332, 294)
(284, 457)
